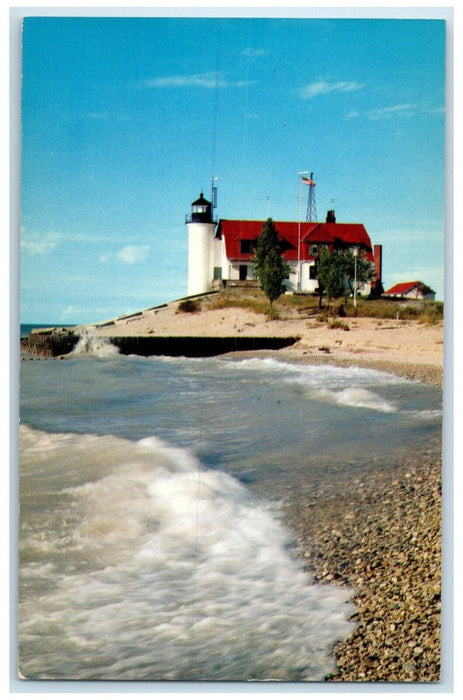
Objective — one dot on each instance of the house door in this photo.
(243, 272)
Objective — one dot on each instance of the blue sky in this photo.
(125, 121)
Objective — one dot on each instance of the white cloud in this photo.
(424, 233)
(209, 80)
(105, 117)
(99, 116)
(133, 254)
(254, 53)
(400, 110)
(436, 110)
(72, 312)
(105, 257)
(322, 87)
(39, 244)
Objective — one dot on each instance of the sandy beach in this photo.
(405, 347)
(381, 537)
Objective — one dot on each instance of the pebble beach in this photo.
(381, 536)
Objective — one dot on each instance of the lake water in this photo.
(152, 541)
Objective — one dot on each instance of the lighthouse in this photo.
(201, 238)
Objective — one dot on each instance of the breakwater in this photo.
(57, 342)
(50, 342)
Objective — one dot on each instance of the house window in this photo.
(217, 273)
(314, 249)
(247, 246)
(313, 272)
(243, 272)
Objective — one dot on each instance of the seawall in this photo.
(61, 342)
(50, 342)
(188, 346)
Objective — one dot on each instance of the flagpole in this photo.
(304, 172)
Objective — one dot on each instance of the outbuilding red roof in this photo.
(405, 287)
(292, 233)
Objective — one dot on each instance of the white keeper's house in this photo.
(220, 252)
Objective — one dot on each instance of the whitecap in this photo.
(163, 570)
(358, 397)
(98, 346)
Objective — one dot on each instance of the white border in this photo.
(10, 291)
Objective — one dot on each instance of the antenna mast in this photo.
(213, 196)
(311, 206)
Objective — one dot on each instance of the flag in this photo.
(307, 181)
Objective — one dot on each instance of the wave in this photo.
(360, 398)
(346, 386)
(89, 344)
(425, 415)
(137, 563)
(331, 376)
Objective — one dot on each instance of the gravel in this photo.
(383, 538)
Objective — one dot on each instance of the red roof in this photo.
(290, 233)
(354, 234)
(404, 287)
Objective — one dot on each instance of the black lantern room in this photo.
(201, 211)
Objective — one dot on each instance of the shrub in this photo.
(337, 324)
(189, 306)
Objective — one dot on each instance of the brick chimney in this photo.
(330, 217)
(378, 261)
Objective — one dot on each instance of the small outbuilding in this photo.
(410, 290)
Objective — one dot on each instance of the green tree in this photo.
(271, 269)
(330, 275)
(377, 290)
(338, 272)
(363, 274)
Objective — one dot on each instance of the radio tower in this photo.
(311, 206)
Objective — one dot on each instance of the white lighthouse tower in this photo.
(201, 235)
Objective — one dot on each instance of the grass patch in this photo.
(336, 324)
(295, 306)
(256, 302)
(432, 314)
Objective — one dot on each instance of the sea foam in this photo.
(156, 568)
(89, 344)
(357, 397)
